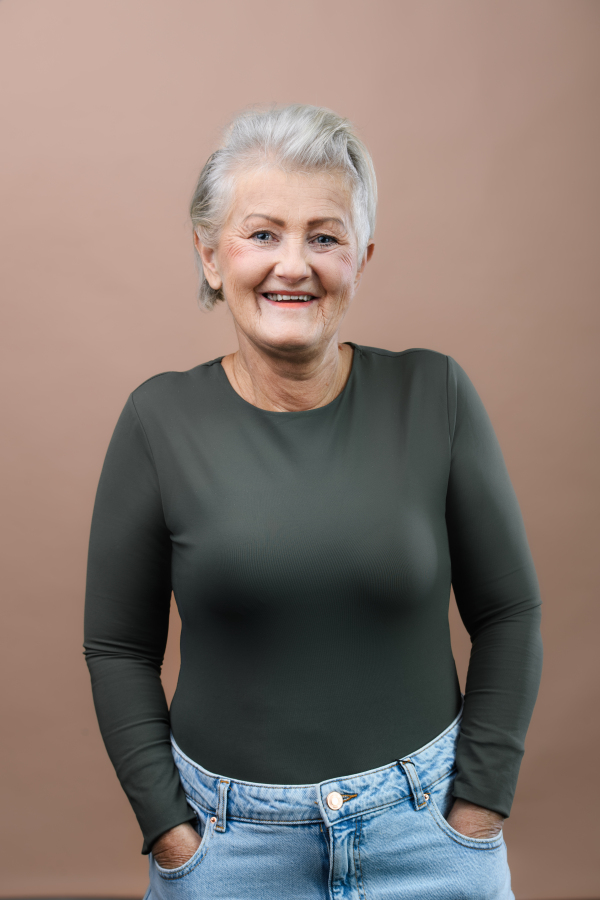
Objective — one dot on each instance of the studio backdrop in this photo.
(482, 118)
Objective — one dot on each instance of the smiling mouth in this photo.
(289, 298)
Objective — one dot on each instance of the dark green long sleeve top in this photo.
(311, 556)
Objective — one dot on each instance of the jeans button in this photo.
(334, 800)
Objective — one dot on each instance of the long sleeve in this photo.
(277, 530)
(126, 624)
(498, 598)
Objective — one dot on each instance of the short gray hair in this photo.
(295, 138)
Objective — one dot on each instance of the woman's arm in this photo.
(498, 598)
(126, 623)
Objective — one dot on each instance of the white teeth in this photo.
(288, 297)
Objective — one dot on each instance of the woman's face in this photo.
(287, 259)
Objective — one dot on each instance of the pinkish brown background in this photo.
(483, 121)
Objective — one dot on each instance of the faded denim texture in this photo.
(388, 841)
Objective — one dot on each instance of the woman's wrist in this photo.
(173, 848)
(474, 821)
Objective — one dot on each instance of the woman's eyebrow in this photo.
(263, 216)
(325, 219)
(311, 222)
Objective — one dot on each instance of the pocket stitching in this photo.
(462, 839)
(192, 863)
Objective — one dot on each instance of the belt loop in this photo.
(222, 805)
(419, 798)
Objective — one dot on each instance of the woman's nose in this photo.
(292, 264)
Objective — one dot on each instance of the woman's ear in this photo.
(207, 257)
(365, 260)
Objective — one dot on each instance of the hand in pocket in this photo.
(173, 848)
(474, 821)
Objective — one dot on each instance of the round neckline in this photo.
(286, 414)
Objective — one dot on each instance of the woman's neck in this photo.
(288, 383)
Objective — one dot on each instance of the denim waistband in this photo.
(302, 803)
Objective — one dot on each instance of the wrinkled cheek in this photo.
(343, 301)
(243, 268)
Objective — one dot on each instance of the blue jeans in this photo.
(379, 835)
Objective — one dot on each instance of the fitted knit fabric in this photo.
(311, 556)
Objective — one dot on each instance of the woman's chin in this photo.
(289, 340)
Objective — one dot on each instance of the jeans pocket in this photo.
(439, 805)
(463, 839)
(194, 861)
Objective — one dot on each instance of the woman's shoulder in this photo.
(418, 366)
(423, 352)
(413, 359)
(175, 387)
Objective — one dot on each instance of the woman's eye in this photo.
(262, 236)
(325, 239)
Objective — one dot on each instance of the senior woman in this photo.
(309, 503)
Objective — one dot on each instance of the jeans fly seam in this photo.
(357, 861)
(331, 861)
